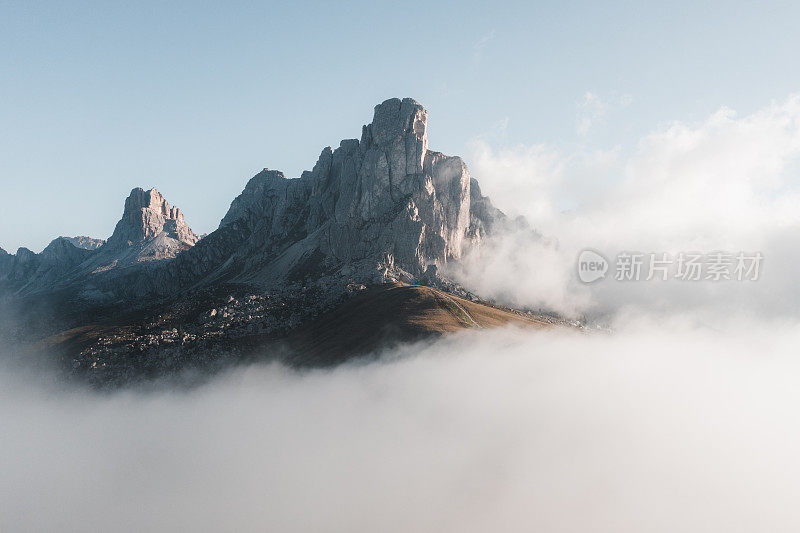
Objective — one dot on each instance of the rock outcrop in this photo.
(6, 260)
(380, 208)
(27, 271)
(155, 297)
(87, 243)
(149, 230)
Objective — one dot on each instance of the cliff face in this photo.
(379, 208)
(87, 243)
(28, 271)
(155, 297)
(150, 229)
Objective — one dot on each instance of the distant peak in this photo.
(146, 215)
(25, 253)
(87, 243)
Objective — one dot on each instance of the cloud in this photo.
(521, 169)
(480, 45)
(662, 427)
(590, 109)
(726, 183)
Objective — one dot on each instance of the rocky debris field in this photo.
(206, 331)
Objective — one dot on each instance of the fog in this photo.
(680, 417)
(728, 182)
(658, 427)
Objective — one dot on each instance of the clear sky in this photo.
(194, 98)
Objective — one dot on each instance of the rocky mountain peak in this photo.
(87, 243)
(25, 255)
(6, 260)
(147, 215)
(381, 207)
(58, 248)
(400, 125)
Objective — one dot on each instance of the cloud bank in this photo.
(657, 428)
(727, 183)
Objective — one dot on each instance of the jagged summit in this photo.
(150, 229)
(62, 249)
(379, 208)
(6, 262)
(87, 243)
(146, 216)
(46, 270)
(289, 252)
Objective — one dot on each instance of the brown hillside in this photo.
(390, 314)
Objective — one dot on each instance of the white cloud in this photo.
(728, 183)
(590, 109)
(481, 44)
(660, 428)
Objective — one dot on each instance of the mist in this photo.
(658, 427)
(728, 182)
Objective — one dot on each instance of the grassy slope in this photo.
(377, 318)
(390, 314)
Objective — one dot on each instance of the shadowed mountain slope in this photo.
(390, 314)
(335, 264)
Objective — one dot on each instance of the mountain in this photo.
(150, 230)
(87, 243)
(364, 324)
(27, 269)
(382, 208)
(6, 261)
(303, 263)
(393, 313)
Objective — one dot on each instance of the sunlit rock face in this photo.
(87, 243)
(149, 229)
(380, 207)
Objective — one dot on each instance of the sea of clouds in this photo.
(681, 417)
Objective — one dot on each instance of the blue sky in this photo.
(194, 98)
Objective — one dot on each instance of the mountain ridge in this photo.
(150, 229)
(377, 209)
(382, 209)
